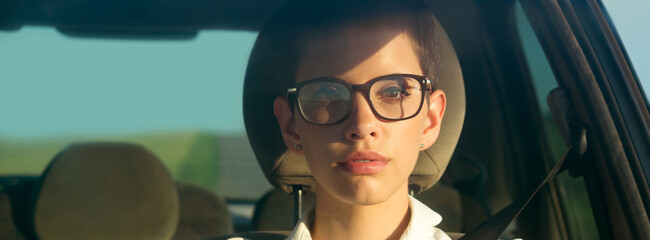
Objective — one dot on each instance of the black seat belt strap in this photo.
(494, 226)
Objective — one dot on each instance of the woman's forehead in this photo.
(359, 50)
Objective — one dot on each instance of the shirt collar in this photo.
(422, 223)
(301, 231)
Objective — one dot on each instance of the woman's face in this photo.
(363, 159)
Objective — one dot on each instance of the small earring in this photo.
(421, 145)
(297, 146)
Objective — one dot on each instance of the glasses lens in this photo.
(396, 98)
(324, 102)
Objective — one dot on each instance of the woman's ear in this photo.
(283, 113)
(437, 105)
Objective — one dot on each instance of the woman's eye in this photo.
(394, 92)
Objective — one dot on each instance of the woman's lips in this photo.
(361, 163)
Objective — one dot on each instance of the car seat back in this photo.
(105, 191)
(285, 169)
(203, 214)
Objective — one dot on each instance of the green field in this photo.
(190, 156)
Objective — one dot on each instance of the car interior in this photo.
(501, 63)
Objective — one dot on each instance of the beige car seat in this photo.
(288, 171)
(108, 191)
(94, 191)
(203, 214)
(105, 191)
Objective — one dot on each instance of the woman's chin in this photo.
(365, 195)
(361, 190)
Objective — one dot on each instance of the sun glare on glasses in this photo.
(329, 100)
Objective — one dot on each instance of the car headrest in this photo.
(105, 191)
(285, 169)
(203, 214)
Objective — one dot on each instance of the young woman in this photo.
(360, 104)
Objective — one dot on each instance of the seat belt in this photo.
(494, 226)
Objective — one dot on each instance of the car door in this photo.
(605, 98)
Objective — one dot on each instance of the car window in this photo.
(182, 99)
(577, 209)
(631, 20)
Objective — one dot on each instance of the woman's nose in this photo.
(362, 122)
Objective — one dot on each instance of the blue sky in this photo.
(56, 85)
(53, 85)
(632, 22)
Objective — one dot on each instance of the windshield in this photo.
(182, 99)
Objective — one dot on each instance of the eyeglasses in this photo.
(329, 100)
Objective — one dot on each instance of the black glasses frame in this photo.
(293, 91)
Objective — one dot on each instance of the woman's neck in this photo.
(336, 219)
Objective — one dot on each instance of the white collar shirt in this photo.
(422, 224)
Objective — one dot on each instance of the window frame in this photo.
(592, 69)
